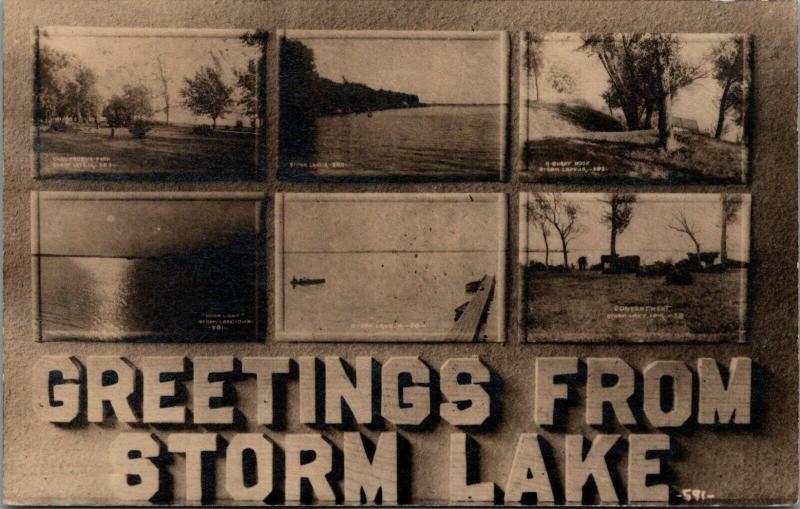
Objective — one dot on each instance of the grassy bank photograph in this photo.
(634, 267)
(635, 108)
(179, 104)
(397, 106)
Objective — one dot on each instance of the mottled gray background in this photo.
(756, 464)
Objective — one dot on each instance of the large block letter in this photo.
(405, 405)
(479, 408)
(235, 466)
(315, 470)
(529, 473)
(461, 489)
(720, 404)
(109, 378)
(617, 395)
(370, 476)
(580, 468)
(130, 455)
(547, 391)
(65, 403)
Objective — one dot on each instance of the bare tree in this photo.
(619, 216)
(162, 75)
(562, 215)
(681, 224)
(537, 218)
(731, 203)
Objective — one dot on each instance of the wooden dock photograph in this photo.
(634, 267)
(392, 105)
(390, 267)
(635, 108)
(138, 103)
(147, 266)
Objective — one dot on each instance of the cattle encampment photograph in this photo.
(390, 267)
(179, 104)
(392, 105)
(147, 266)
(634, 108)
(634, 267)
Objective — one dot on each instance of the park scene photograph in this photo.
(635, 108)
(396, 106)
(640, 267)
(180, 104)
(390, 267)
(148, 266)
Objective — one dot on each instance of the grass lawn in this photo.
(604, 307)
(171, 151)
(561, 133)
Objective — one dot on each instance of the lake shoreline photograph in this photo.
(149, 104)
(392, 106)
(635, 108)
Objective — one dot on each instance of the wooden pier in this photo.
(467, 327)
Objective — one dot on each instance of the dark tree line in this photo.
(305, 95)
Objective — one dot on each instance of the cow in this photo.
(582, 263)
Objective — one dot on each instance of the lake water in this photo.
(396, 295)
(434, 141)
(164, 298)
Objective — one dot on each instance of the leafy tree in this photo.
(80, 96)
(138, 100)
(48, 88)
(207, 94)
(618, 216)
(562, 215)
(247, 82)
(731, 203)
(117, 113)
(645, 73)
(533, 59)
(253, 84)
(727, 60)
(561, 79)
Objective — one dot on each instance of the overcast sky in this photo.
(437, 70)
(698, 101)
(118, 61)
(648, 234)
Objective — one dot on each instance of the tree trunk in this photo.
(666, 139)
(631, 112)
(648, 116)
(613, 238)
(214, 123)
(546, 247)
(166, 114)
(536, 84)
(112, 131)
(723, 241)
(721, 118)
(564, 251)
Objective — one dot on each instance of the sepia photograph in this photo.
(147, 266)
(390, 267)
(392, 105)
(178, 104)
(635, 108)
(634, 267)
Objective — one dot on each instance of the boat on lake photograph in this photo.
(396, 106)
(390, 267)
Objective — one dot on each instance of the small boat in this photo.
(304, 281)
(473, 286)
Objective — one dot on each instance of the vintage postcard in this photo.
(147, 266)
(634, 267)
(388, 105)
(139, 103)
(634, 108)
(390, 267)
